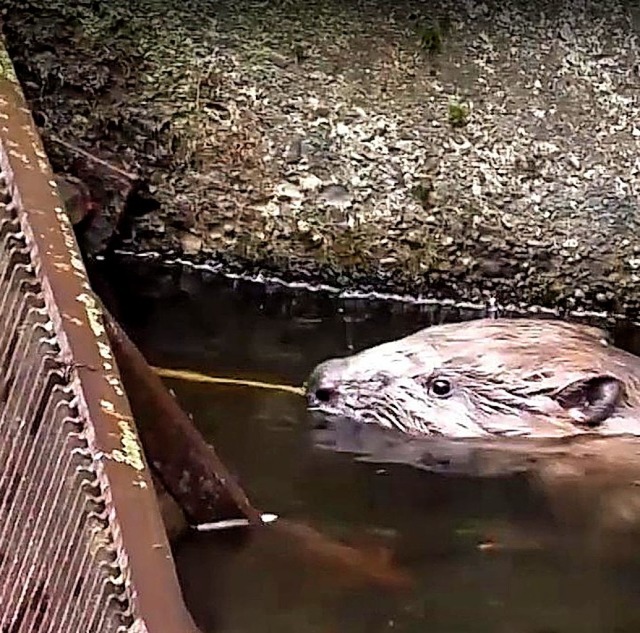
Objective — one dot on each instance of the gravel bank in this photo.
(462, 150)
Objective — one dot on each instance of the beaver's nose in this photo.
(324, 394)
(322, 385)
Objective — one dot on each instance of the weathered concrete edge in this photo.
(307, 274)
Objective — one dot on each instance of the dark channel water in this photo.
(484, 554)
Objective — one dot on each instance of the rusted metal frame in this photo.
(37, 406)
(135, 520)
(25, 596)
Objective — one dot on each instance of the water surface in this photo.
(485, 554)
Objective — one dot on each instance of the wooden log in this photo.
(188, 467)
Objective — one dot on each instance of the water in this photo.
(484, 554)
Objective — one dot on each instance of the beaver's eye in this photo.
(441, 387)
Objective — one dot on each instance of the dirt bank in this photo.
(460, 149)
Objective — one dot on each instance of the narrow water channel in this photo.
(484, 554)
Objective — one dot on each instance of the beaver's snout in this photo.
(323, 383)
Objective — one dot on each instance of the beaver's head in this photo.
(509, 377)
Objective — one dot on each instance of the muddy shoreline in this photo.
(465, 153)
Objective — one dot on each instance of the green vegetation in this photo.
(422, 193)
(432, 34)
(6, 67)
(459, 113)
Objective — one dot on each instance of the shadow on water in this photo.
(485, 554)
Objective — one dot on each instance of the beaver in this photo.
(503, 377)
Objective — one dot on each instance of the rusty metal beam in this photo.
(149, 592)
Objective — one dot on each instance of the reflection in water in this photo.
(488, 546)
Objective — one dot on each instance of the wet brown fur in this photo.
(505, 371)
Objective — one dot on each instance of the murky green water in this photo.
(485, 555)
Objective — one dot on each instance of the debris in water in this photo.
(232, 523)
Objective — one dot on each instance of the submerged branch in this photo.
(192, 376)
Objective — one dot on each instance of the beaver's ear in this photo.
(592, 400)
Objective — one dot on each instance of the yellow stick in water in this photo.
(193, 376)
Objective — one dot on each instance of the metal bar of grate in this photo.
(82, 544)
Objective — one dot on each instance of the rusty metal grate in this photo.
(55, 533)
(82, 545)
